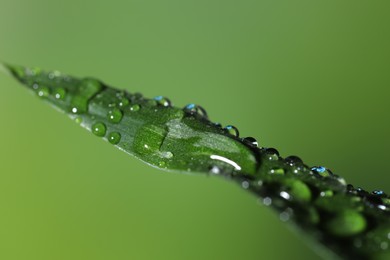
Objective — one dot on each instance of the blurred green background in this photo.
(310, 78)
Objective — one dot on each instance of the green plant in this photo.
(349, 221)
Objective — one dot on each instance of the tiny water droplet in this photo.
(321, 170)
(245, 184)
(135, 107)
(59, 93)
(163, 101)
(279, 171)
(35, 86)
(43, 91)
(196, 109)
(285, 195)
(293, 160)
(327, 193)
(215, 170)
(99, 129)
(78, 120)
(232, 130)
(115, 115)
(167, 155)
(124, 102)
(162, 164)
(252, 141)
(114, 137)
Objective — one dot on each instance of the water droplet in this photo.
(114, 137)
(135, 107)
(232, 130)
(163, 101)
(245, 184)
(99, 129)
(272, 154)
(195, 109)
(59, 93)
(321, 170)
(267, 201)
(124, 102)
(252, 141)
(219, 125)
(167, 155)
(115, 115)
(297, 189)
(286, 215)
(279, 171)
(378, 192)
(78, 120)
(35, 86)
(162, 164)
(87, 89)
(293, 160)
(215, 170)
(347, 223)
(43, 91)
(327, 193)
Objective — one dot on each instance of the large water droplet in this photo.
(196, 109)
(232, 130)
(99, 129)
(59, 93)
(272, 154)
(114, 137)
(293, 160)
(163, 101)
(115, 115)
(324, 172)
(251, 141)
(135, 107)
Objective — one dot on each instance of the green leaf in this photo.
(350, 222)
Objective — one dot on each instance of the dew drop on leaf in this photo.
(135, 107)
(232, 130)
(114, 137)
(115, 115)
(163, 101)
(99, 129)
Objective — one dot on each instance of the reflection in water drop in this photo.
(232, 130)
(163, 101)
(252, 141)
(226, 160)
(195, 109)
